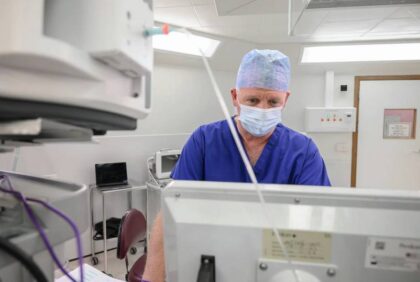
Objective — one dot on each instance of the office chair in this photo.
(132, 230)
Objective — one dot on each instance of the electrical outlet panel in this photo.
(330, 119)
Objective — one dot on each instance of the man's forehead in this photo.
(261, 92)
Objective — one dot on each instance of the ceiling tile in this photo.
(309, 22)
(181, 16)
(401, 13)
(415, 11)
(208, 17)
(203, 2)
(359, 14)
(262, 7)
(258, 34)
(171, 3)
(272, 27)
(397, 26)
(249, 7)
(339, 29)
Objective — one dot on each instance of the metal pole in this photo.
(92, 224)
(104, 232)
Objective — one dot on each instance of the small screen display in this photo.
(109, 174)
(168, 163)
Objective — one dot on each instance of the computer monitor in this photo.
(331, 234)
(165, 161)
(111, 174)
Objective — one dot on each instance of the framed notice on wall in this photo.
(400, 123)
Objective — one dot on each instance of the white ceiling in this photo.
(201, 15)
(360, 23)
(266, 21)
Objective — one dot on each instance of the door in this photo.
(388, 145)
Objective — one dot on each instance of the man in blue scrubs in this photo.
(278, 154)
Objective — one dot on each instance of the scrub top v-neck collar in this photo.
(265, 154)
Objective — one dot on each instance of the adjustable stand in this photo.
(207, 272)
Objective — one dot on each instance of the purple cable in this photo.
(4, 177)
(37, 225)
(72, 225)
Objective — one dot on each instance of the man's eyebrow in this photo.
(252, 96)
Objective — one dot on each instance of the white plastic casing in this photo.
(163, 168)
(111, 31)
(227, 221)
(321, 119)
(81, 53)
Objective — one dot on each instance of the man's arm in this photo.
(155, 265)
(190, 166)
(313, 170)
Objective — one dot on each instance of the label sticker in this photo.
(393, 254)
(399, 129)
(301, 246)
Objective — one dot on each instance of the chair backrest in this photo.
(132, 230)
(136, 271)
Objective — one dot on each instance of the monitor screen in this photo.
(165, 162)
(110, 174)
(168, 163)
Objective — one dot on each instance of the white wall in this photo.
(183, 99)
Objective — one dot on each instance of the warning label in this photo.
(300, 245)
(393, 254)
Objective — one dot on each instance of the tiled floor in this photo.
(116, 267)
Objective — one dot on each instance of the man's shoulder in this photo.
(292, 135)
(299, 142)
(213, 127)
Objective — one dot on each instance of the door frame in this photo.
(355, 139)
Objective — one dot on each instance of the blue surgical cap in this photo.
(268, 69)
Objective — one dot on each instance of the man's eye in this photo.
(253, 100)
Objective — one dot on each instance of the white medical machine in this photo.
(165, 161)
(160, 167)
(17, 229)
(68, 70)
(219, 232)
(81, 63)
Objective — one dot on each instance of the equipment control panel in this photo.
(321, 119)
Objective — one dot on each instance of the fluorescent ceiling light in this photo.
(186, 44)
(361, 53)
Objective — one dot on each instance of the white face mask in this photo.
(259, 122)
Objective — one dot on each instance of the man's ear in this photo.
(287, 98)
(234, 95)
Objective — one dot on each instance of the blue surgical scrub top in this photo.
(289, 157)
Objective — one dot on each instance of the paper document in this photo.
(91, 274)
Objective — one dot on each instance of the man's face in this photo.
(258, 97)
